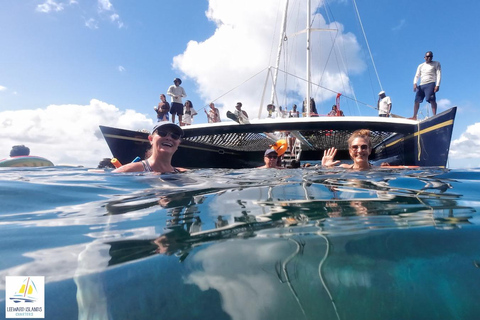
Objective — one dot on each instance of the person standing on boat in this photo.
(384, 105)
(213, 114)
(162, 109)
(335, 112)
(176, 92)
(188, 113)
(430, 75)
(294, 112)
(164, 139)
(241, 115)
(359, 148)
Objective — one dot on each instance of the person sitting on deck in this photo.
(270, 159)
(359, 147)
(164, 139)
(241, 115)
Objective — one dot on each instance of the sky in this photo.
(68, 66)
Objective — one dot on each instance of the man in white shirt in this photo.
(430, 75)
(384, 105)
(176, 92)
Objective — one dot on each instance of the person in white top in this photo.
(430, 75)
(384, 105)
(176, 92)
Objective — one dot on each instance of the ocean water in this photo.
(245, 244)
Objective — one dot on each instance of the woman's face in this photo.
(165, 141)
(359, 151)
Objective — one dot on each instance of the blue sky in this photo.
(69, 65)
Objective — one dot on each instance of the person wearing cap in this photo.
(270, 159)
(164, 139)
(430, 75)
(384, 105)
(176, 92)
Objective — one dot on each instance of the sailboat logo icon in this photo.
(27, 292)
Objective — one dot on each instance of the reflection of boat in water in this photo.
(398, 141)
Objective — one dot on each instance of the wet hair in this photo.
(19, 150)
(105, 163)
(361, 133)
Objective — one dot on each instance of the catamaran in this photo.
(397, 141)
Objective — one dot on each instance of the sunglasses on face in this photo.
(363, 147)
(163, 134)
(272, 157)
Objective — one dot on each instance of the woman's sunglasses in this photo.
(163, 134)
(363, 147)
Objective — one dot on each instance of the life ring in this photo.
(280, 147)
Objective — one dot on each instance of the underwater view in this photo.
(304, 243)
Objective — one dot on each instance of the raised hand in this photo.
(328, 157)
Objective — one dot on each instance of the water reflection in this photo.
(328, 200)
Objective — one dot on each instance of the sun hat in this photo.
(381, 92)
(168, 125)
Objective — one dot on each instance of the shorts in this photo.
(425, 90)
(176, 108)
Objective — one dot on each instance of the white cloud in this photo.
(444, 104)
(67, 134)
(245, 43)
(468, 145)
(105, 5)
(2, 88)
(121, 69)
(50, 5)
(91, 23)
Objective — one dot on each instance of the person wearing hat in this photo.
(176, 92)
(384, 105)
(164, 139)
(270, 159)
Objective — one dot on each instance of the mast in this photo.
(308, 59)
(283, 36)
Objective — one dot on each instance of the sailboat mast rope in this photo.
(366, 41)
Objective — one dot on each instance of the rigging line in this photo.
(344, 96)
(366, 41)
(256, 74)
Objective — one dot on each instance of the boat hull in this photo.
(399, 142)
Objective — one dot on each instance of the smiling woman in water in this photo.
(359, 148)
(164, 139)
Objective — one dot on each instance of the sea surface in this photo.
(245, 244)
